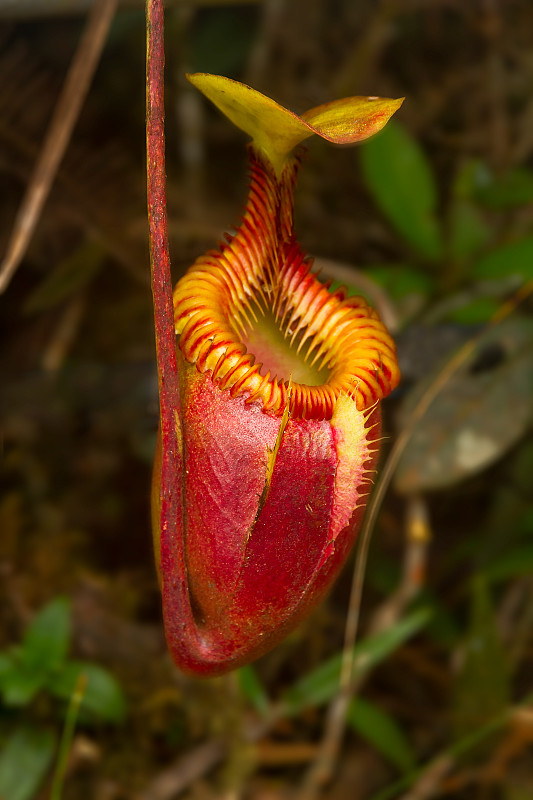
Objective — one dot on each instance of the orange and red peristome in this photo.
(263, 269)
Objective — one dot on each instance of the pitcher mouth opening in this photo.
(255, 315)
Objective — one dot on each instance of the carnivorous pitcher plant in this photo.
(270, 387)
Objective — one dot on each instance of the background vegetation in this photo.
(434, 221)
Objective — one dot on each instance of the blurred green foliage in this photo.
(403, 185)
(319, 685)
(39, 665)
(455, 243)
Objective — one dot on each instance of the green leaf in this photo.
(442, 627)
(24, 761)
(468, 232)
(401, 280)
(318, 686)
(211, 34)
(468, 427)
(510, 565)
(7, 663)
(381, 730)
(512, 259)
(103, 698)
(253, 689)
(475, 312)
(482, 689)
(67, 278)
(514, 188)
(46, 641)
(20, 684)
(383, 573)
(402, 183)
(471, 176)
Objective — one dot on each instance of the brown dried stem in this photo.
(65, 115)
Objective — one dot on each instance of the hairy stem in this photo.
(169, 466)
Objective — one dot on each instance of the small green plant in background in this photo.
(468, 246)
(39, 667)
(319, 685)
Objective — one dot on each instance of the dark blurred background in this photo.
(433, 221)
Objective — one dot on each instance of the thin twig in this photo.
(67, 737)
(429, 781)
(184, 771)
(197, 762)
(417, 539)
(57, 348)
(261, 53)
(320, 772)
(64, 118)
